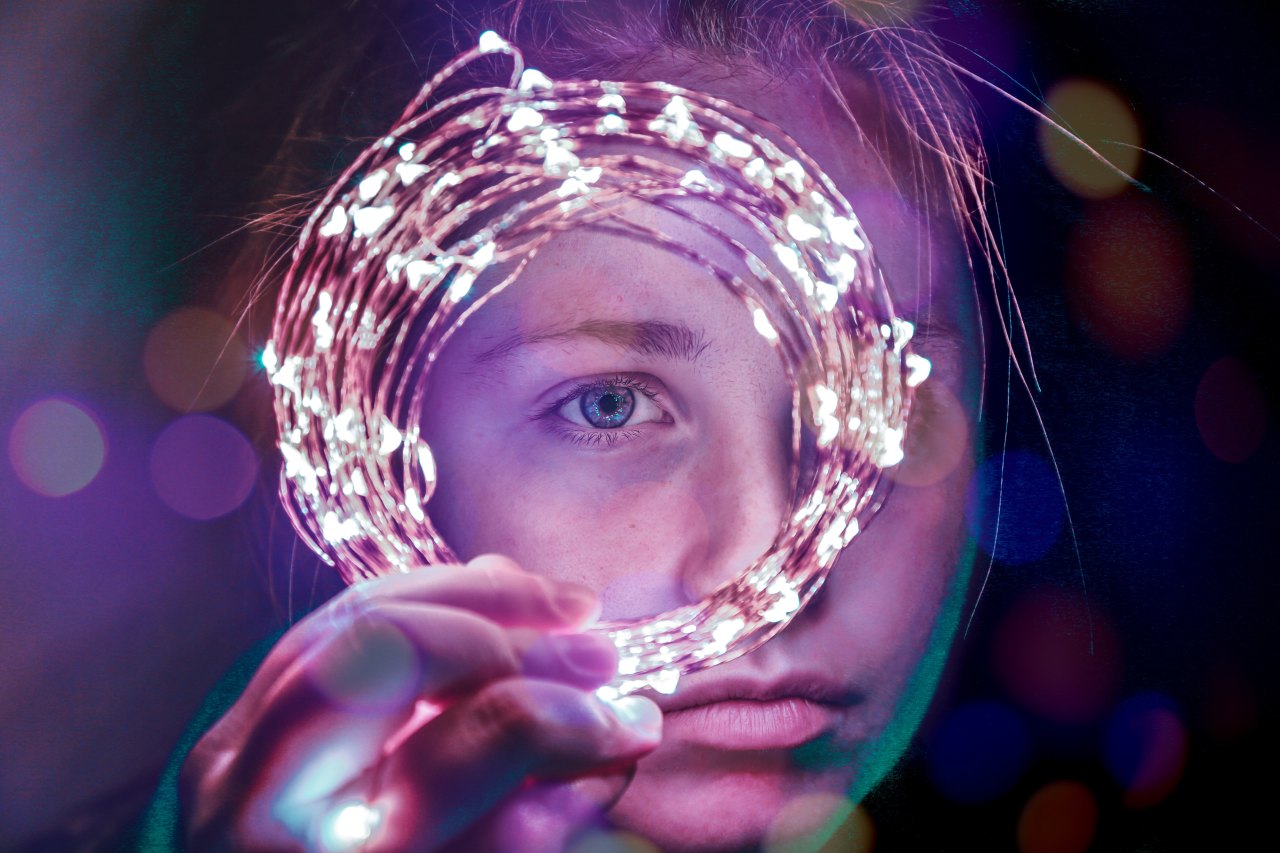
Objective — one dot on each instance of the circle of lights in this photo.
(386, 270)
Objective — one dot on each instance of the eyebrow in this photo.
(643, 337)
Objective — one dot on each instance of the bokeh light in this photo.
(56, 447)
(194, 360)
(642, 594)
(374, 669)
(818, 823)
(323, 769)
(1061, 817)
(202, 467)
(979, 752)
(1101, 117)
(1048, 660)
(1146, 748)
(1230, 410)
(1128, 272)
(937, 437)
(1014, 507)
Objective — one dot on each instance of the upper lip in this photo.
(813, 687)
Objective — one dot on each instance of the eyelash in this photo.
(594, 438)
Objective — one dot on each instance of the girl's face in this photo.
(614, 419)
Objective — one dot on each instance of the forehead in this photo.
(588, 275)
(584, 271)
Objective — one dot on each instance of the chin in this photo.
(717, 800)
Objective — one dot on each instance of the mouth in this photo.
(750, 715)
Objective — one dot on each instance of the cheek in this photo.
(629, 541)
(900, 577)
(892, 584)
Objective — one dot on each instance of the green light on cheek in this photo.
(882, 755)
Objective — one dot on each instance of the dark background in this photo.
(1135, 682)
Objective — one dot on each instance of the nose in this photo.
(740, 480)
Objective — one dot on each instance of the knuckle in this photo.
(352, 604)
(505, 713)
(502, 579)
(542, 717)
(468, 650)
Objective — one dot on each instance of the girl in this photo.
(613, 438)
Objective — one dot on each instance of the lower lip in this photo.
(748, 724)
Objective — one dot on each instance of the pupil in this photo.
(607, 409)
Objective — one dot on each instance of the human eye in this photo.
(604, 412)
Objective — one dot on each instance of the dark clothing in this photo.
(160, 829)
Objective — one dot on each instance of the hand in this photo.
(449, 706)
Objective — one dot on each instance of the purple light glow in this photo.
(56, 448)
(202, 467)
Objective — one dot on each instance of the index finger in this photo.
(491, 586)
(497, 588)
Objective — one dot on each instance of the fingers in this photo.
(457, 683)
(525, 726)
(491, 586)
(402, 652)
(481, 750)
(360, 688)
(583, 660)
(496, 588)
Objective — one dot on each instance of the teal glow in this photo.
(883, 755)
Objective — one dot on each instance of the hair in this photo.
(339, 78)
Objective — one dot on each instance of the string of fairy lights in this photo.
(443, 214)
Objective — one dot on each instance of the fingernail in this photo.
(578, 604)
(638, 713)
(494, 562)
(593, 657)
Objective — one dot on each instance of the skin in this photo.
(677, 501)
(695, 486)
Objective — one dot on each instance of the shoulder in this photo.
(160, 828)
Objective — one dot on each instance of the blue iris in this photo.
(608, 407)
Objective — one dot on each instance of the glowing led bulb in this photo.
(491, 42)
(351, 825)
